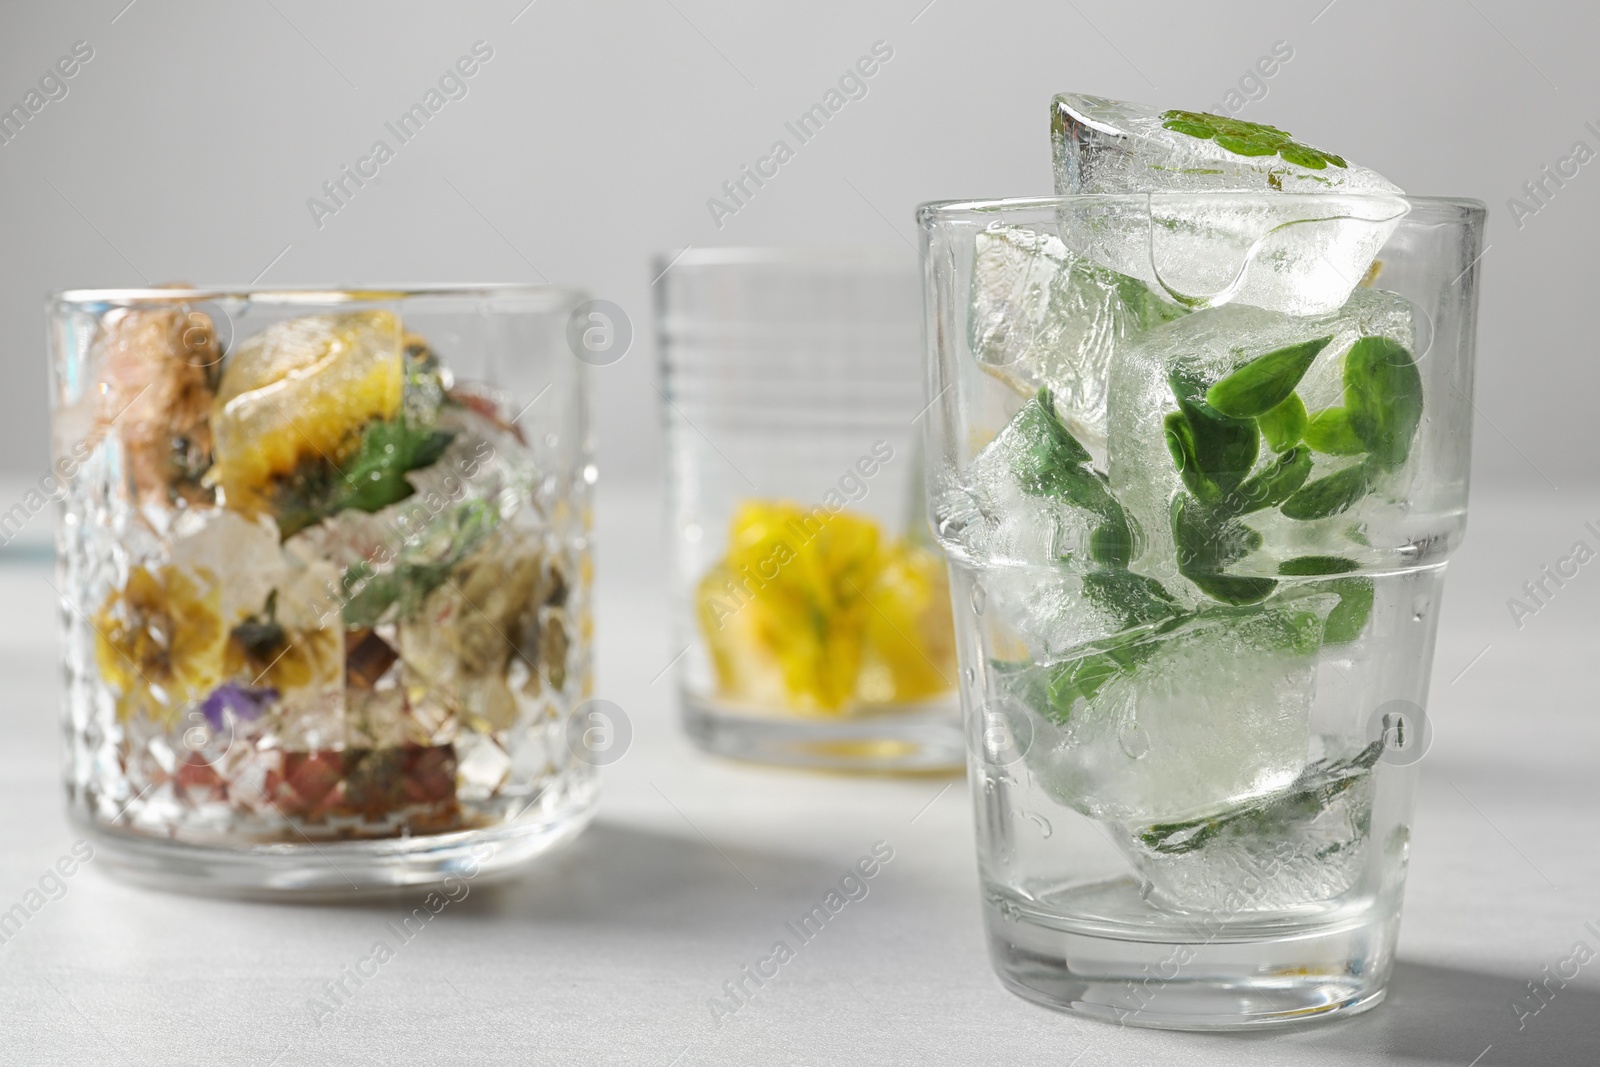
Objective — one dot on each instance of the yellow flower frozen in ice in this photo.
(299, 391)
(159, 639)
(813, 611)
(910, 641)
(264, 652)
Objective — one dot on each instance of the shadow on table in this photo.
(1448, 1015)
(624, 877)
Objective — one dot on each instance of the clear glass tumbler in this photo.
(1197, 551)
(324, 570)
(813, 607)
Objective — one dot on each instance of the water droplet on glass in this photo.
(970, 675)
(1045, 829)
(194, 738)
(1419, 609)
(1009, 911)
(1134, 741)
(551, 440)
(978, 598)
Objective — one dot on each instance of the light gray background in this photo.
(188, 147)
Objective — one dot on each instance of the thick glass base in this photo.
(923, 740)
(1208, 979)
(340, 869)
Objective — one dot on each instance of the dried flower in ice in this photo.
(159, 640)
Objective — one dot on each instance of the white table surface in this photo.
(608, 951)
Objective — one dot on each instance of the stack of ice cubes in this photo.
(1188, 729)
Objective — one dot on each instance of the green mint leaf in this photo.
(1234, 589)
(1275, 484)
(1278, 816)
(1348, 617)
(1146, 308)
(1249, 138)
(1383, 393)
(1185, 457)
(372, 595)
(1284, 425)
(1329, 496)
(1223, 448)
(1207, 542)
(1111, 543)
(1055, 465)
(1266, 381)
(1134, 599)
(1330, 433)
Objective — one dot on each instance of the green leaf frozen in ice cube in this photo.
(1329, 496)
(1284, 425)
(1134, 599)
(1208, 541)
(1266, 381)
(1221, 449)
(1278, 816)
(1275, 484)
(1248, 138)
(1348, 617)
(1383, 393)
(1330, 433)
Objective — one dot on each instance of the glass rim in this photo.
(777, 255)
(942, 211)
(311, 295)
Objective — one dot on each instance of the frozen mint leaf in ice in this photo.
(1328, 496)
(1284, 425)
(1224, 448)
(1349, 617)
(1330, 433)
(372, 477)
(1249, 138)
(1276, 483)
(1208, 541)
(1280, 244)
(1051, 463)
(1117, 146)
(1272, 817)
(1266, 381)
(1133, 598)
(1383, 393)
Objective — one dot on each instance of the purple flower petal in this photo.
(246, 702)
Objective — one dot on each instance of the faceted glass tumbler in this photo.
(812, 606)
(1197, 551)
(324, 571)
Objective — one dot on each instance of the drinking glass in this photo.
(812, 607)
(323, 565)
(1197, 552)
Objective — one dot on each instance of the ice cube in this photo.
(392, 557)
(488, 640)
(1027, 497)
(300, 390)
(1303, 844)
(1204, 711)
(241, 552)
(155, 394)
(1265, 233)
(1113, 146)
(1206, 347)
(1043, 316)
